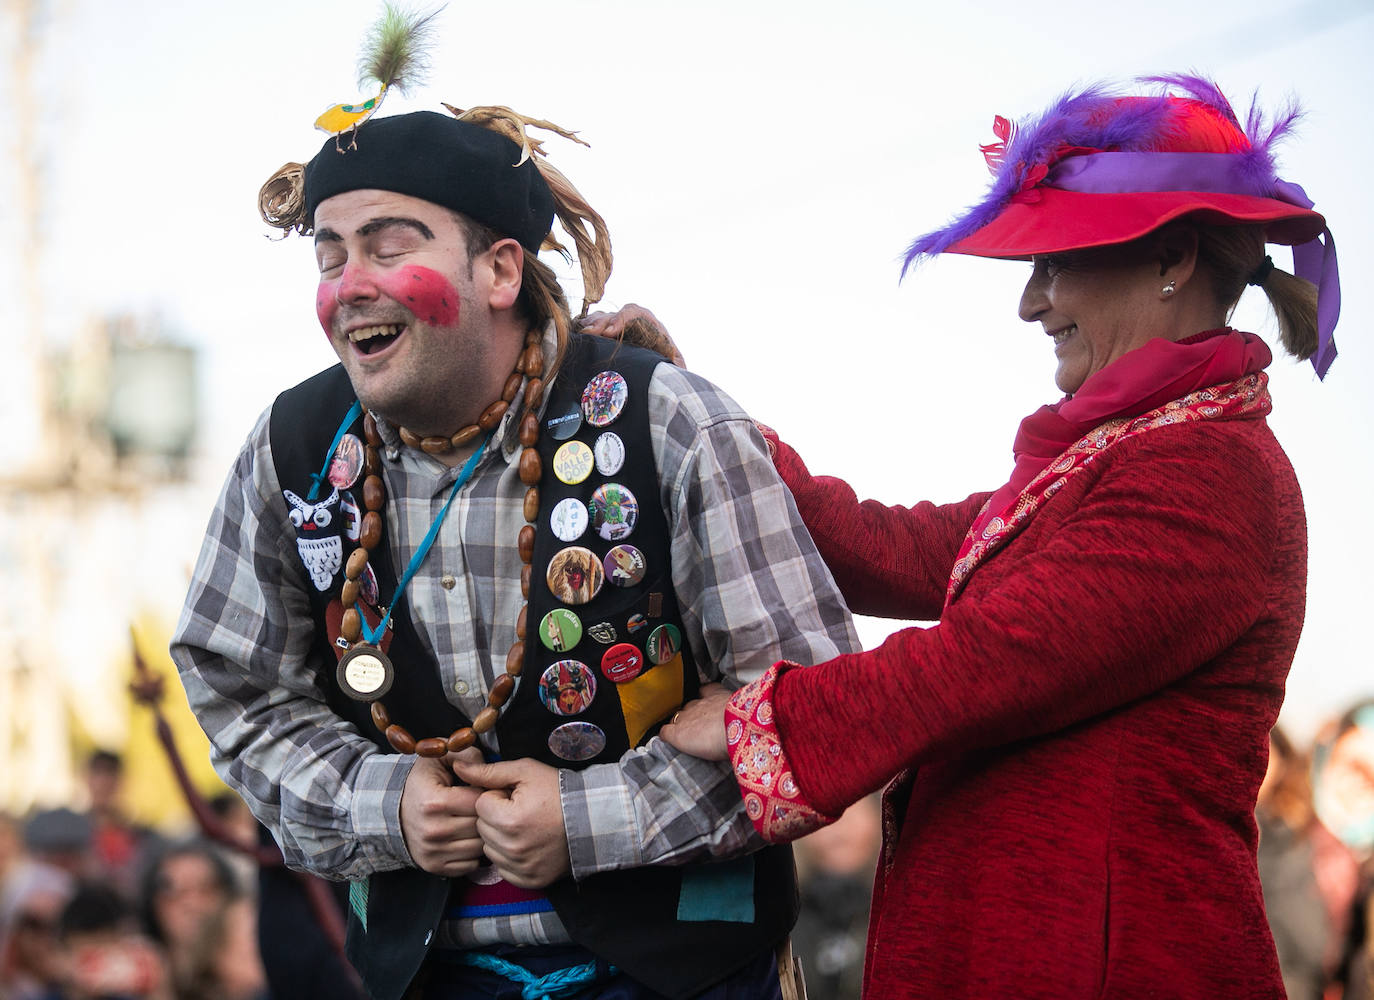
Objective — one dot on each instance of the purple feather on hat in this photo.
(1097, 118)
(1258, 161)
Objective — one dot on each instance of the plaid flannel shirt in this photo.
(752, 590)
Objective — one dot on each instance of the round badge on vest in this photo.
(575, 575)
(614, 511)
(347, 464)
(573, 462)
(622, 663)
(610, 453)
(565, 423)
(604, 398)
(560, 630)
(569, 519)
(663, 644)
(567, 687)
(577, 741)
(625, 566)
(364, 673)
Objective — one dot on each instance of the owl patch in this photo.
(319, 528)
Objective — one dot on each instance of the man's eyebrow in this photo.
(387, 222)
(327, 236)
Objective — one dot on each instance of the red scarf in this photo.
(1138, 382)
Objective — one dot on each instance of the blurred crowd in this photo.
(1316, 858)
(96, 907)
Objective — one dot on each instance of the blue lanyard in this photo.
(374, 635)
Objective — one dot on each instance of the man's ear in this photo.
(507, 270)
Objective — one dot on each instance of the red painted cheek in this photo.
(327, 304)
(427, 294)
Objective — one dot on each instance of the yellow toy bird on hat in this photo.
(394, 56)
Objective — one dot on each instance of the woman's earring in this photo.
(1168, 289)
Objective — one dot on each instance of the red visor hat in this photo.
(1099, 168)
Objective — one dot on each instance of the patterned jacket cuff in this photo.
(772, 799)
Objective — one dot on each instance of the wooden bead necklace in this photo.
(531, 366)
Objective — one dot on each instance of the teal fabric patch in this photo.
(357, 901)
(723, 891)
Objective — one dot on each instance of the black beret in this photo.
(436, 157)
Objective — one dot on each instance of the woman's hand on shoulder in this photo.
(635, 325)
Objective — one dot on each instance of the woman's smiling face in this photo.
(1096, 304)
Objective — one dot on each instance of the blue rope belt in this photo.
(562, 983)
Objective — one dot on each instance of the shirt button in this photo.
(447, 581)
(393, 454)
(461, 687)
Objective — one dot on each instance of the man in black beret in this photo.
(377, 641)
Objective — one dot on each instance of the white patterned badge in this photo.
(610, 453)
(569, 519)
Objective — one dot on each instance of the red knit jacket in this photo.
(1080, 740)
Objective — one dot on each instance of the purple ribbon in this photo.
(1216, 173)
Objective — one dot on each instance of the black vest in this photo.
(640, 920)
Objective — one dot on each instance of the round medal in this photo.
(347, 463)
(573, 462)
(622, 662)
(577, 741)
(575, 575)
(365, 673)
(610, 453)
(569, 519)
(604, 398)
(663, 644)
(567, 687)
(614, 511)
(560, 630)
(624, 566)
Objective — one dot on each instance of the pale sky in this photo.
(761, 166)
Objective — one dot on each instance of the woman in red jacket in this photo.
(1071, 755)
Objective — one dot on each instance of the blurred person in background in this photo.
(1343, 798)
(104, 957)
(835, 869)
(238, 824)
(187, 896)
(119, 847)
(1309, 877)
(62, 838)
(31, 961)
(225, 961)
